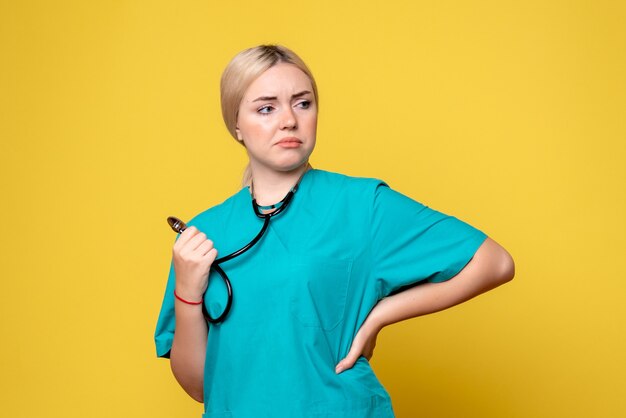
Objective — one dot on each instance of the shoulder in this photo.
(347, 184)
(207, 219)
(368, 193)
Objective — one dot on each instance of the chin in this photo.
(290, 164)
(290, 167)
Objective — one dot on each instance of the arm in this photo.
(490, 267)
(193, 255)
(189, 349)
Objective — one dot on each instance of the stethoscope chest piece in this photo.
(176, 224)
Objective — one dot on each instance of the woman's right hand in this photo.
(193, 255)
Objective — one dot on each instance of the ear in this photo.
(239, 137)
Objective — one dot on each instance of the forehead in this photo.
(281, 78)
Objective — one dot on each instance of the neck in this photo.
(271, 186)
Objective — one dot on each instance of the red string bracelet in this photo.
(186, 301)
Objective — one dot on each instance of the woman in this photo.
(347, 257)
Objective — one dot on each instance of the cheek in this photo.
(310, 124)
(256, 130)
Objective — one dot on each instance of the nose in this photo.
(288, 119)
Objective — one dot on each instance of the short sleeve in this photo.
(166, 324)
(413, 244)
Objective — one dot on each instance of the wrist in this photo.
(374, 322)
(188, 298)
(378, 317)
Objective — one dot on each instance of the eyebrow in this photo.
(268, 98)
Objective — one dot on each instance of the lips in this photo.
(289, 140)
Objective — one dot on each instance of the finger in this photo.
(194, 243)
(348, 361)
(199, 242)
(185, 236)
(204, 247)
(211, 255)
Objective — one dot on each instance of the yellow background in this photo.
(509, 115)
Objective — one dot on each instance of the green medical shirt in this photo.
(301, 294)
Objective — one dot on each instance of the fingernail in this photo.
(338, 369)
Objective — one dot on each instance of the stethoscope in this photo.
(179, 226)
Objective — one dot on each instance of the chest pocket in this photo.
(319, 291)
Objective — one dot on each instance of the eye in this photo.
(265, 109)
(305, 104)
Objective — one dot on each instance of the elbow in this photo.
(192, 383)
(195, 392)
(506, 268)
(499, 267)
(198, 396)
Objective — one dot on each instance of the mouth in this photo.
(289, 142)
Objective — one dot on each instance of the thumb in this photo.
(349, 360)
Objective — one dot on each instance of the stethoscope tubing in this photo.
(179, 226)
(229, 288)
(216, 264)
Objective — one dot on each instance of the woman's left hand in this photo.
(362, 345)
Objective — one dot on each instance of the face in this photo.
(278, 119)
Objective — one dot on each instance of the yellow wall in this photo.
(509, 116)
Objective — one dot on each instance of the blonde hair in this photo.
(241, 71)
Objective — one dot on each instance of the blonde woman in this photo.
(343, 258)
